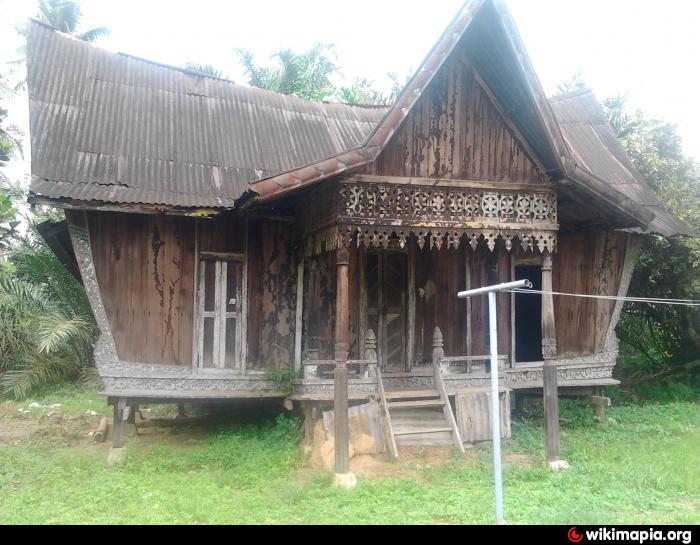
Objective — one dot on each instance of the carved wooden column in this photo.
(549, 371)
(342, 434)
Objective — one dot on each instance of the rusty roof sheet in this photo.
(114, 128)
(596, 149)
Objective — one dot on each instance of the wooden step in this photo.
(421, 431)
(414, 404)
(411, 394)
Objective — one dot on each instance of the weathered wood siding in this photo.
(588, 263)
(439, 277)
(319, 304)
(488, 268)
(456, 132)
(271, 294)
(145, 268)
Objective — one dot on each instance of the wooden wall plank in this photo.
(455, 131)
(140, 262)
(586, 263)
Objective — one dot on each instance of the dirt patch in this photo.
(411, 462)
(44, 424)
(519, 459)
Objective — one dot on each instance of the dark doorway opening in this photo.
(528, 316)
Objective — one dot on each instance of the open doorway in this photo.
(528, 316)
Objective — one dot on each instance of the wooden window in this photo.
(220, 327)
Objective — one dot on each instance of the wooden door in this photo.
(386, 277)
(219, 317)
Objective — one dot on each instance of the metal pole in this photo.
(495, 408)
(495, 400)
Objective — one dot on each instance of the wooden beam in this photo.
(632, 249)
(299, 313)
(342, 431)
(411, 334)
(118, 423)
(443, 182)
(549, 370)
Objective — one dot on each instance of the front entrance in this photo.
(386, 280)
(219, 312)
(528, 316)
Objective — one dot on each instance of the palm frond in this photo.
(54, 331)
(93, 34)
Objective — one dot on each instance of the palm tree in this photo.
(65, 15)
(305, 75)
(205, 69)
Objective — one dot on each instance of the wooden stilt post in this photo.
(549, 372)
(118, 423)
(342, 432)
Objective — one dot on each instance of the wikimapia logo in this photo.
(636, 536)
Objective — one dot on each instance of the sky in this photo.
(645, 49)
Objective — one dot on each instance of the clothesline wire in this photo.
(650, 300)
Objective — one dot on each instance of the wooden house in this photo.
(223, 232)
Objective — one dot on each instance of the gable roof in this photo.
(496, 50)
(112, 128)
(115, 128)
(597, 152)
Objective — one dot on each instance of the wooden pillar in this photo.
(342, 432)
(549, 371)
(118, 423)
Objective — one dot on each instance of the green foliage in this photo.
(661, 342)
(310, 74)
(283, 378)
(306, 75)
(575, 83)
(46, 324)
(205, 69)
(636, 467)
(66, 15)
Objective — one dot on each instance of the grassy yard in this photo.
(639, 466)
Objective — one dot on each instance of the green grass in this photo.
(639, 466)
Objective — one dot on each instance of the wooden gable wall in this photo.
(456, 131)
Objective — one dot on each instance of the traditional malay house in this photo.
(228, 235)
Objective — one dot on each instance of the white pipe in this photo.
(495, 400)
(495, 407)
(499, 287)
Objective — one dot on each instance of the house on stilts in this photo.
(223, 232)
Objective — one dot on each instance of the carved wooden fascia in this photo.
(373, 213)
(105, 348)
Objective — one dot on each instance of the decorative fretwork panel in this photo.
(403, 203)
(375, 215)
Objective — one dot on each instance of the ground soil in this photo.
(48, 425)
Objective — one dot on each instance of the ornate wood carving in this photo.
(105, 348)
(441, 216)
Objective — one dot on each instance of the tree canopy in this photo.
(66, 16)
(661, 341)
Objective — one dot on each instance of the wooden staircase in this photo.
(418, 417)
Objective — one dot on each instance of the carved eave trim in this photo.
(105, 347)
(381, 236)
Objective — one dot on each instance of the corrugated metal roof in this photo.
(114, 128)
(597, 150)
(117, 129)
